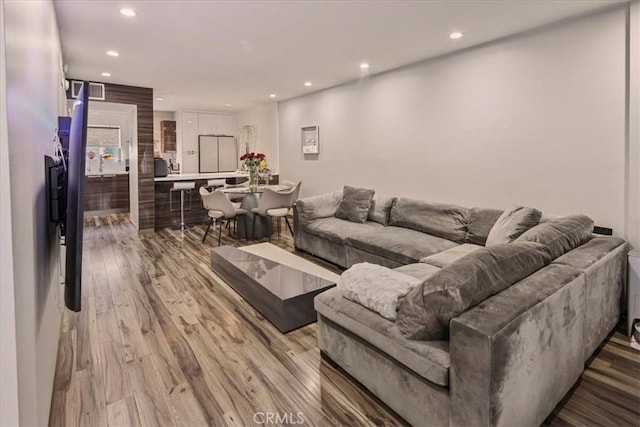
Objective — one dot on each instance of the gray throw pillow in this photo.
(381, 209)
(560, 234)
(355, 204)
(512, 223)
(425, 312)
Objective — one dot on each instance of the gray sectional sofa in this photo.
(507, 360)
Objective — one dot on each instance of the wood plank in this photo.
(91, 403)
(123, 413)
(115, 377)
(87, 336)
(171, 299)
(150, 396)
(101, 291)
(133, 341)
(107, 325)
(186, 408)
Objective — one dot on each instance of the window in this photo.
(105, 141)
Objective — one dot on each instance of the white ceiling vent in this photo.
(96, 90)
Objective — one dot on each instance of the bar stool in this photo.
(181, 186)
(215, 183)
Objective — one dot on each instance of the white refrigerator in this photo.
(218, 153)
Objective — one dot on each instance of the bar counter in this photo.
(197, 214)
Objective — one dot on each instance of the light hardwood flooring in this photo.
(162, 341)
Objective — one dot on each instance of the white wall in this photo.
(9, 409)
(265, 119)
(34, 99)
(633, 163)
(536, 119)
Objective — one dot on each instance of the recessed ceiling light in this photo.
(456, 35)
(228, 105)
(307, 83)
(112, 53)
(105, 74)
(159, 98)
(128, 12)
(364, 65)
(273, 95)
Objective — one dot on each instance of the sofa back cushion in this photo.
(380, 211)
(479, 224)
(425, 312)
(355, 204)
(560, 234)
(315, 207)
(437, 219)
(512, 223)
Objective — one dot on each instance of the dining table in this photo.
(250, 200)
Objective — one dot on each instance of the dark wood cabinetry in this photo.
(168, 135)
(106, 192)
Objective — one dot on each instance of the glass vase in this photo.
(253, 178)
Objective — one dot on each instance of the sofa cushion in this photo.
(428, 359)
(418, 270)
(376, 287)
(337, 230)
(584, 256)
(437, 219)
(479, 224)
(561, 234)
(315, 207)
(355, 204)
(380, 211)
(444, 258)
(512, 223)
(426, 311)
(402, 245)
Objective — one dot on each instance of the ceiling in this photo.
(201, 55)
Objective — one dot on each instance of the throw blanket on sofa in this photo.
(376, 287)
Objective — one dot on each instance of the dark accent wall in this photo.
(143, 98)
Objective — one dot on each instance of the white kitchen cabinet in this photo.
(225, 124)
(215, 124)
(193, 124)
(208, 123)
(189, 149)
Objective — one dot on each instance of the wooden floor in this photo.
(161, 340)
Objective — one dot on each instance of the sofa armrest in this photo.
(514, 356)
(315, 207)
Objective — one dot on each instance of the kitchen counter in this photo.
(168, 202)
(105, 173)
(196, 176)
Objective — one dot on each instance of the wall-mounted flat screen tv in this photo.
(74, 221)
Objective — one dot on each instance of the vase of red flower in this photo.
(251, 162)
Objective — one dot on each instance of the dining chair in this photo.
(236, 199)
(220, 208)
(276, 204)
(288, 184)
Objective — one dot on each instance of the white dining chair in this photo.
(220, 208)
(276, 204)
